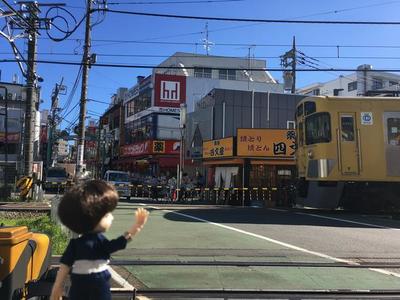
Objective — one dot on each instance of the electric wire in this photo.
(320, 22)
(202, 55)
(114, 65)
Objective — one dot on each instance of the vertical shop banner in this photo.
(170, 90)
(277, 143)
(218, 148)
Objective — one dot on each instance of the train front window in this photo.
(299, 111)
(347, 126)
(318, 128)
(393, 125)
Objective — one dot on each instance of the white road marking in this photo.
(346, 221)
(277, 209)
(287, 245)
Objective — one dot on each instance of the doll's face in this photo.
(105, 223)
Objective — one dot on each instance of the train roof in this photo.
(344, 98)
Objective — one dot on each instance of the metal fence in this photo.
(264, 196)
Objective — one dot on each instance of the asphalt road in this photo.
(208, 247)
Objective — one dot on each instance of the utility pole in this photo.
(53, 122)
(289, 59)
(5, 169)
(85, 73)
(294, 65)
(31, 92)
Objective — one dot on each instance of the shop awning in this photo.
(236, 161)
(166, 162)
(276, 162)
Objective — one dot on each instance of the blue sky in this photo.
(103, 82)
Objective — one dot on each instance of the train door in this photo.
(392, 142)
(348, 144)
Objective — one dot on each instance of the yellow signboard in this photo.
(218, 148)
(277, 143)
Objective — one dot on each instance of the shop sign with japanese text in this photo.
(218, 148)
(136, 149)
(11, 137)
(277, 143)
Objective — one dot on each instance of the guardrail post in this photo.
(216, 194)
(264, 199)
(244, 196)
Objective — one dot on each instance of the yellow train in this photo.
(349, 152)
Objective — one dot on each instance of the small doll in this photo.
(86, 209)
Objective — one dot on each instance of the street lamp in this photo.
(182, 126)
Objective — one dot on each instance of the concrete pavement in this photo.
(189, 233)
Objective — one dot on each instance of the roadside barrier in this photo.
(24, 184)
(265, 196)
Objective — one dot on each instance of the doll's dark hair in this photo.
(84, 205)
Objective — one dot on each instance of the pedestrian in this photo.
(86, 210)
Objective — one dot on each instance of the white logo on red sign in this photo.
(170, 90)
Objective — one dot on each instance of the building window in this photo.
(316, 92)
(352, 86)
(227, 74)
(202, 72)
(377, 83)
(393, 83)
(130, 108)
(11, 148)
(291, 125)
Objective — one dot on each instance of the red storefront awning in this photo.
(168, 162)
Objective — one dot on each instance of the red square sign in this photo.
(170, 90)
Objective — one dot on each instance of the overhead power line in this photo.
(109, 65)
(171, 2)
(236, 44)
(202, 55)
(250, 20)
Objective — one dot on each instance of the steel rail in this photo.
(267, 294)
(361, 265)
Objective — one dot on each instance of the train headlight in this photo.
(310, 154)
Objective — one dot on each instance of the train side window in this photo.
(393, 125)
(299, 111)
(347, 128)
(309, 108)
(300, 135)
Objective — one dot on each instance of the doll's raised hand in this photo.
(141, 216)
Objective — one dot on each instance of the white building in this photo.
(206, 72)
(151, 131)
(361, 83)
(62, 149)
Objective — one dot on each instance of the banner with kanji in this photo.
(277, 143)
